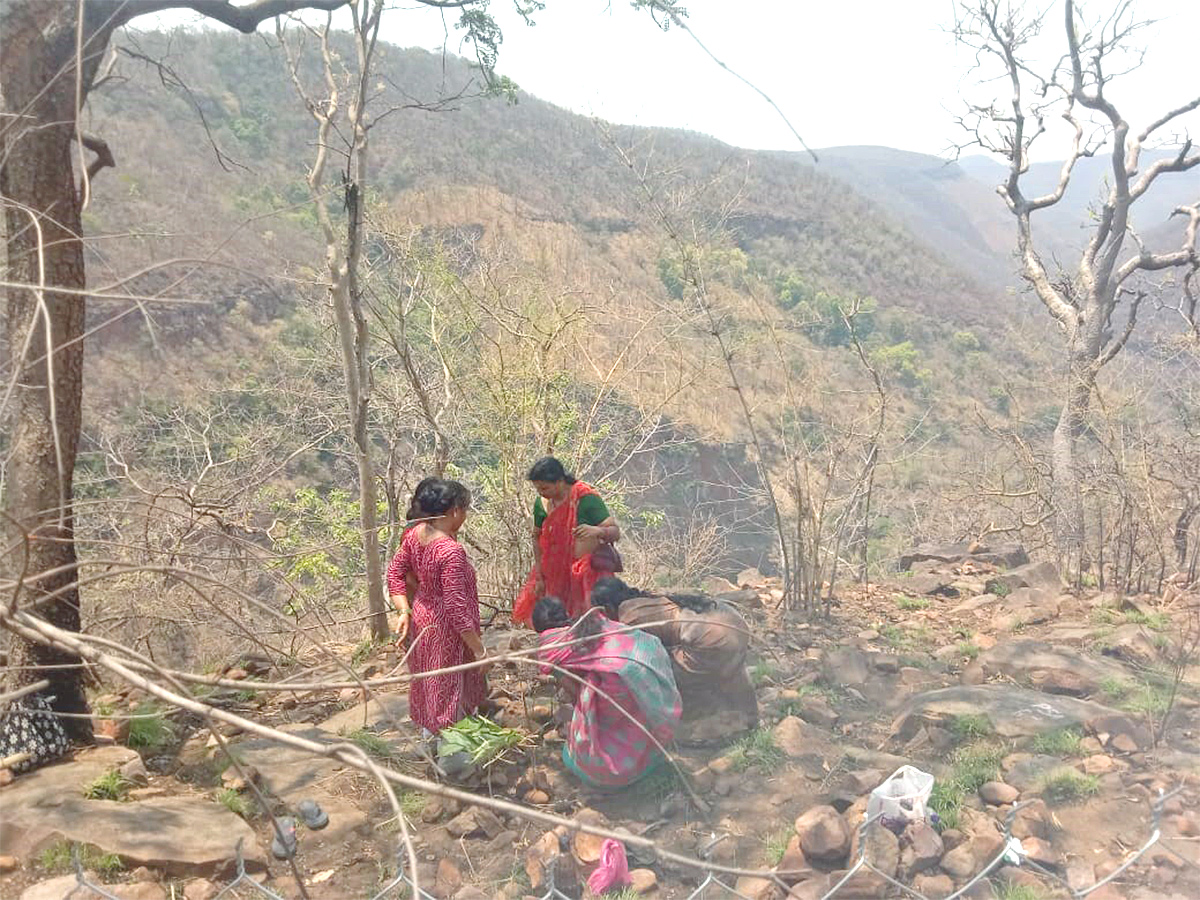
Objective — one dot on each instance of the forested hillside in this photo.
(527, 282)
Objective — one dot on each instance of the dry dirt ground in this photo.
(995, 679)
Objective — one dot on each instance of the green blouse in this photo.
(591, 511)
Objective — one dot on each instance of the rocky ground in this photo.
(973, 665)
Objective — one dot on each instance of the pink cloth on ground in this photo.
(613, 870)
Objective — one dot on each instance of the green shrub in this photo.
(371, 743)
(1060, 742)
(758, 748)
(968, 649)
(234, 802)
(56, 859)
(112, 785)
(776, 843)
(1070, 786)
(149, 728)
(971, 727)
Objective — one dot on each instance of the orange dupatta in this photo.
(569, 579)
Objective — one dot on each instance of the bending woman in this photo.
(707, 641)
(445, 611)
(604, 748)
(570, 522)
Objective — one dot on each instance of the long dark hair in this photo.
(610, 592)
(437, 497)
(549, 612)
(549, 469)
(415, 509)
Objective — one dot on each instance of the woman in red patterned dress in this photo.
(445, 611)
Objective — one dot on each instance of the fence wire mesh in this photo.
(715, 883)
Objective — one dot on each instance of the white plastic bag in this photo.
(902, 796)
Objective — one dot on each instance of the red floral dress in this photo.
(446, 606)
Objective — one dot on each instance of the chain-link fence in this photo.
(1011, 853)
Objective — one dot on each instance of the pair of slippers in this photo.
(283, 845)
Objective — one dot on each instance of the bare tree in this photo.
(343, 252)
(1082, 301)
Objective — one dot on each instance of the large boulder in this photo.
(1005, 555)
(1041, 576)
(1054, 670)
(1013, 712)
(1023, 607)
(824, 836)
(846, 667)
(1133, 644)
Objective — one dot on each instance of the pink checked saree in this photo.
(603, 746)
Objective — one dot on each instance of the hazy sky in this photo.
(868, 72)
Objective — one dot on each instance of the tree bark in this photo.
(44, 327)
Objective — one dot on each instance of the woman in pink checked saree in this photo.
(605, 748)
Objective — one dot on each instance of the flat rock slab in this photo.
(67, 887)
(1041, 575)
(1054, 670)
(1014, 712)
(381, 713)
(292, 775)
(183, 835)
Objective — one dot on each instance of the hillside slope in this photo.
(541, 218)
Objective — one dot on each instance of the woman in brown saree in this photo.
(707, 641)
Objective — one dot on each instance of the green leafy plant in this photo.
(776, 843)
(1070, 786)
(371, 743)
(758, 748)
(56, 859)
(912, 603)
(970, 727)
(998, 588)
(946, 800)
(1060, 742)
(761, 672)
(1009, 890)
(112, 785)
(149, 728)
(968, 649)
(972, 766)
(234, 802)
(412, 803)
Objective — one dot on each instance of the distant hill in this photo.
(952, 206)
(1067, 222)
(938, 200)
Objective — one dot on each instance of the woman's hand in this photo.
(589, 531)
(402, 627)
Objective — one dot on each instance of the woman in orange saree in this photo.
(570, 522)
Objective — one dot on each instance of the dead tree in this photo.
(343, 255)
(1084, 300)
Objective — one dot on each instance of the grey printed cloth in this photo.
(29, 725)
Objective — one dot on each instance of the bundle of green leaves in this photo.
(481, 739)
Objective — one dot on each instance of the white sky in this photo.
(867, 72)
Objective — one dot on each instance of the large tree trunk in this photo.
(44, 329)
(1083, 355)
